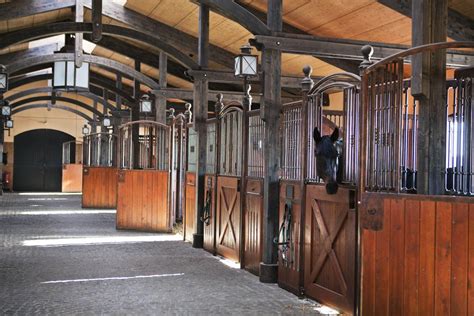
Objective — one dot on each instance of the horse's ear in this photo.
(316, 135)
(335, 135)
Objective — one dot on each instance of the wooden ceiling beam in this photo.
(460, 27)
(237, 13)
(348, 49)
(50, 90)
(62, 99)
(36, 32)
(22, 8)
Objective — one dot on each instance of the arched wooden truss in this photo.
(54, 106)
(62, 99)
(29, 34)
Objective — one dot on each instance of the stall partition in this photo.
(72, 167)
(143, 201)
(99, 185)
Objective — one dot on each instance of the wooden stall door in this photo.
(417, 255)
(99, 187)
(209, 226)
(289, 271)
(228, 218)
(72, 178)
(142, 200)
(190, 213)
(253, 226)
(330, 247)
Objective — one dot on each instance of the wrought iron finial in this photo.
(307, 82)
(367, 52)
(188, 114)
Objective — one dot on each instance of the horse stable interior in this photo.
(325, 146)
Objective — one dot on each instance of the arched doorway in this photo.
(38, 160)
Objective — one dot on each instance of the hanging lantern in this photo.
(246, 63)
(6, 109)
(85, 130)
(146, 104)
(3, 79)
(106, 121)
(9, 123)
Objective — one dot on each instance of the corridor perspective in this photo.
(59, 259)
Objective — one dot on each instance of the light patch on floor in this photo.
(115, 278)
(59, 242)
(57, 212)
(49, 193)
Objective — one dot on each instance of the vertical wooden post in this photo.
(429, 25)
(270, 112)
(93, 124)
(118, 85)
(79, 17)
(96, 20)
(160, 100)
(200, 117)
(135, 111)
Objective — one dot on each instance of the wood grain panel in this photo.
(253, 225)
(289, 273)
(426, 247)
(228, 218)
(209, 227)
(190, 206)
(72, 178)
(142, 200)
(330, 247)
(99, 187)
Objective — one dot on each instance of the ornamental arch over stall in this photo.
(143, 201)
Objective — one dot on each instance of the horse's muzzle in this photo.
(331, 188)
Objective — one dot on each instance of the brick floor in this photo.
(192, 282)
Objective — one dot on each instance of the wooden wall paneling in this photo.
(209, 230)
(443, 258)
(397, 247)
(330, 248)
(427, 257)
(190, 207)
(368, 257)
(460, 245)
(289, 275)
(411, 256)
(72, 178)
(382, 266)
(253, 225)
(99, 187)
(228, 218)
(142, 202)
(470, 268)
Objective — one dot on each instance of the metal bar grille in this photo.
(211, 155)
(153, 146)
(256, 137)
(291, 134)
(99, 150)
(231, 143)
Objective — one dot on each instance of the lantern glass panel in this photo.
(59, 74)
(82, 76)
(85, 130)
(3, 82)
(145, 106)
(6, 110)
(9, 124)
(70, 74)
(249, 65)
(237, 66)
(106, 122)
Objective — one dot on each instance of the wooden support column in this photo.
(118, 85)
(93, 124)
(79, 17)
(96, 20)
(2, 140)
(429, 25)
(103, 129)
(135, 113)
(160, 99)
(200, 116)
(270, 112)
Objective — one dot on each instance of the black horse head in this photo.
(327, 157)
